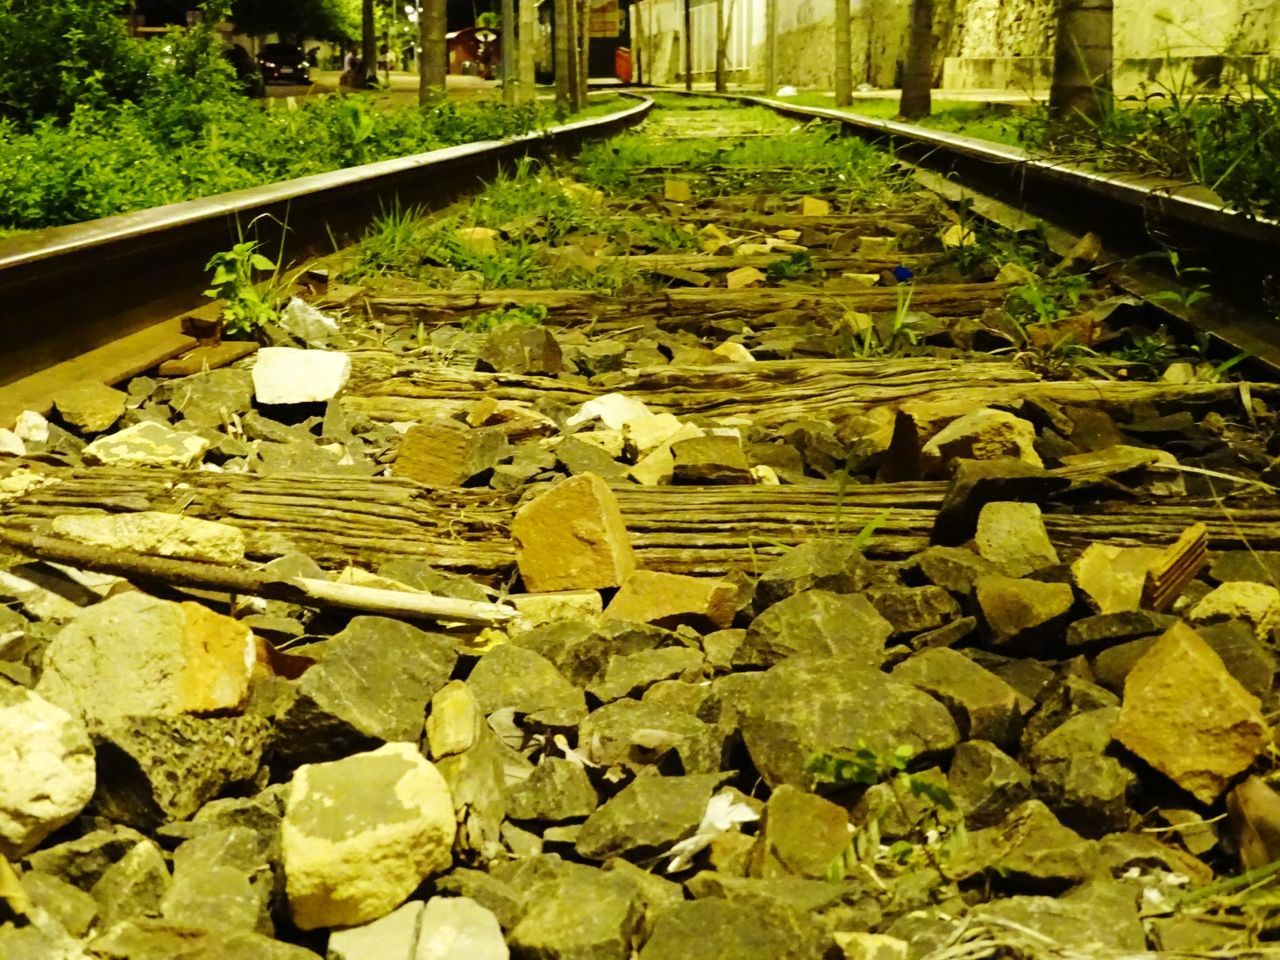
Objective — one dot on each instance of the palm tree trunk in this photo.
(722, 49)
(510, 53)
(770, 47)
(434, 65)
(565, 58)
(368, 42)
(688, 46)
(917, 76)
(844, 55)
(1081, 86)
(528, 49)
(583, 51)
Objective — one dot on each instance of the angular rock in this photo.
(70, 906)
(983, 706)
(975, 483)
(801, 834)
(456, 722)
(955, 569)
(147, 444)
(154, 769)
(90, 406)
(221, 881)
(986, 783)
(1258, 603)
(212, 398)
(1185, 715)
(709, 460)
(512, 677)
(572, 537)
(815, 623)
(639, 733)
(717, 929)
(1021, 612)
(912, 610)
(523, 350)
(1107, 629)
(1031, 846)
(48, 766)
(539, 608)
(631, 674)
(361, 833)
(1112, 577)
(146, 939)
(1012, 536)
(83, 861)
(1097, 919)
(649, 815)
(155, 533)
(371, 686)
(1071, 772)
(458, 928)
(1247, 657)
(393, 937)
(135, 655)
(133, 886)
(983, 434)
(288, 375)
(833, 565)
(1260, 566)
(1064, 697)
(804, 707)
(669, 599)
(556, 790)
(446, 453)
(580, 915)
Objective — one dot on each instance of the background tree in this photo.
(844, 55)
(770, 47)
(1081, 86)
(368, 41)
(528, 48)
(434, 56)
(917, 75)
(582, 47)
(722, 49)
(566, 54)
(510, 53)
(687, 40)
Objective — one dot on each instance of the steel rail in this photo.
(66, 290)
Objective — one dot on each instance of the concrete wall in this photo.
(1005, 44)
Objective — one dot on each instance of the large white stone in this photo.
(393, 937)
(149, 443)
(153, 532)
(360, 834)
(46, 769)
(288, 375)
(458, 928)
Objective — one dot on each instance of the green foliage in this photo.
(798, 266)
(526, 316)
(324, 19)
(247, 307)
(865, 338)
(867, 768)
(1193, 285)
(1046, 301)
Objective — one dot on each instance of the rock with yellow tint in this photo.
(156, 533)
(735, 352)
(814, 207)
(711, 239)
(572, 538)
(536, 608)
(1187, 717)
(1112, 577)
(743, 277)
(878, 248)
(135, 655)
(481, 241)
(670, 599)
(677, 191)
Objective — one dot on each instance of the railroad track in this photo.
(780, 369)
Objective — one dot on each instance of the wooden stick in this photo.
(208, 576)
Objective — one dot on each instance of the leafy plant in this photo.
(247, 307)
(798, 266)
(1192, 283)
(529, 315)
(1046, 301)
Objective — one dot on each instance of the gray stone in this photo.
(83, 861)
(457, 928)
(1031, 846)
(147, 444)
(522, 350)
(709, 460)
(1106, 629)
(833, 565)
(1012, 536)
(1246, 657)
(975, 483)
(1260, 566)
(72, 907)
(1022, 613)
(911, 610)
(1074, 776)
(631, 674)
(955, 569)
(579, 456)
(360, 834)
(156, 769)
(42, 938)
(133, 886)
(556, 790)
(580, 915)
(221, 881)
(583, 652)
(983, 434)
(496, 894)
(804, 707)
(90, 406)
(801, 834)
(513, 677)
(144, 939)
(983, 706)
(214, 398)
(422, 576)
(156, 533)
(986, 783)
(48, 766)
(1066, 697)
(648, 816)
(717, 929)
(372, 686)
(1097, 919)
(288, 375)
(947, 636)
(636, 734)
(393, 937)
(815, 623)
(446, 453)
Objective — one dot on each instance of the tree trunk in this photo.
(434, 64)
(688, 46)
(510, 48)
(722, 48)
(917, 76)
(584, 52)
(368, 43)
(528, 62)
(770, 47)
(1081, 87)
(565, 58)
(844, 55)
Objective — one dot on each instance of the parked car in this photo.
(247, 72)
(282, 63)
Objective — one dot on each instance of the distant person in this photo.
(350, 70)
